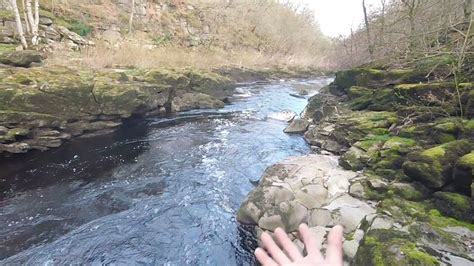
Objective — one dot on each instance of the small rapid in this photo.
(158, 191)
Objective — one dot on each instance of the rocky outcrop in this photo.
(21, 58)
(310, 189)
(297, 126)
(410, 203)
(42, 107)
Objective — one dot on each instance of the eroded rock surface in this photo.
(311, 189)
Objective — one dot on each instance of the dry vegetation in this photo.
(251, 33)
(404, 30)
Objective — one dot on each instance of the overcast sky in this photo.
(336, 17)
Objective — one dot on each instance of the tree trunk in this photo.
(33, 20)
(367, 28)
(25, 17)
(132, 13)
(19, 26)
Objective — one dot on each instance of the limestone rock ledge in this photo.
(310, 189)
(42, 107)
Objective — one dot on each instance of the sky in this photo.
(336, 17)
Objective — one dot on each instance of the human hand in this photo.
(290, 255)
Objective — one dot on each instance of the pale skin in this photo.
(284, 252)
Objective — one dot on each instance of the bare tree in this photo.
(19, 26)
(25, 17)
(411, 7)
(467, 10)
(367, 29)
(33, 20)
(132, 13)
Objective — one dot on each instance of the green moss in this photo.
(454, 205)
(467, 160)
(440, 221)
(417, 257)
(434, 153)
(391, 247)
(423, 86)
(448, 127)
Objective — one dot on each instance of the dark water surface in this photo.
(160, 191)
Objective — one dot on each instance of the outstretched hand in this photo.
(286, 253)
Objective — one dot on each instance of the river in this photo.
(157, 191)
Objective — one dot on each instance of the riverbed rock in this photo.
(297, 126)
(21, 58)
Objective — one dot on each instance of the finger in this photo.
(310, 244)
(263, 258)
(334, 251)
(274, 250)
(287, 245)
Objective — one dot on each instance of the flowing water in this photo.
(158, 191)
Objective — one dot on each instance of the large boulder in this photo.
(434, 167)
(297, 126)
(454, 205)
(21, 58)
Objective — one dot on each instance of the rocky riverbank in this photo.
(400, 175)
(43, 106)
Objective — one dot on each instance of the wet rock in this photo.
(21, 58)
(297, 126)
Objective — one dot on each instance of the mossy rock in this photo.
(467, 99)
(434, 167)
(390, 247)
(14, 134)
(354, 159)
(410, 191)
(454, 205)
(21, 58)
(464, 174)
(171, 77)
(375, 78)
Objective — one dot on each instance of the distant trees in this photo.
(402, 29)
